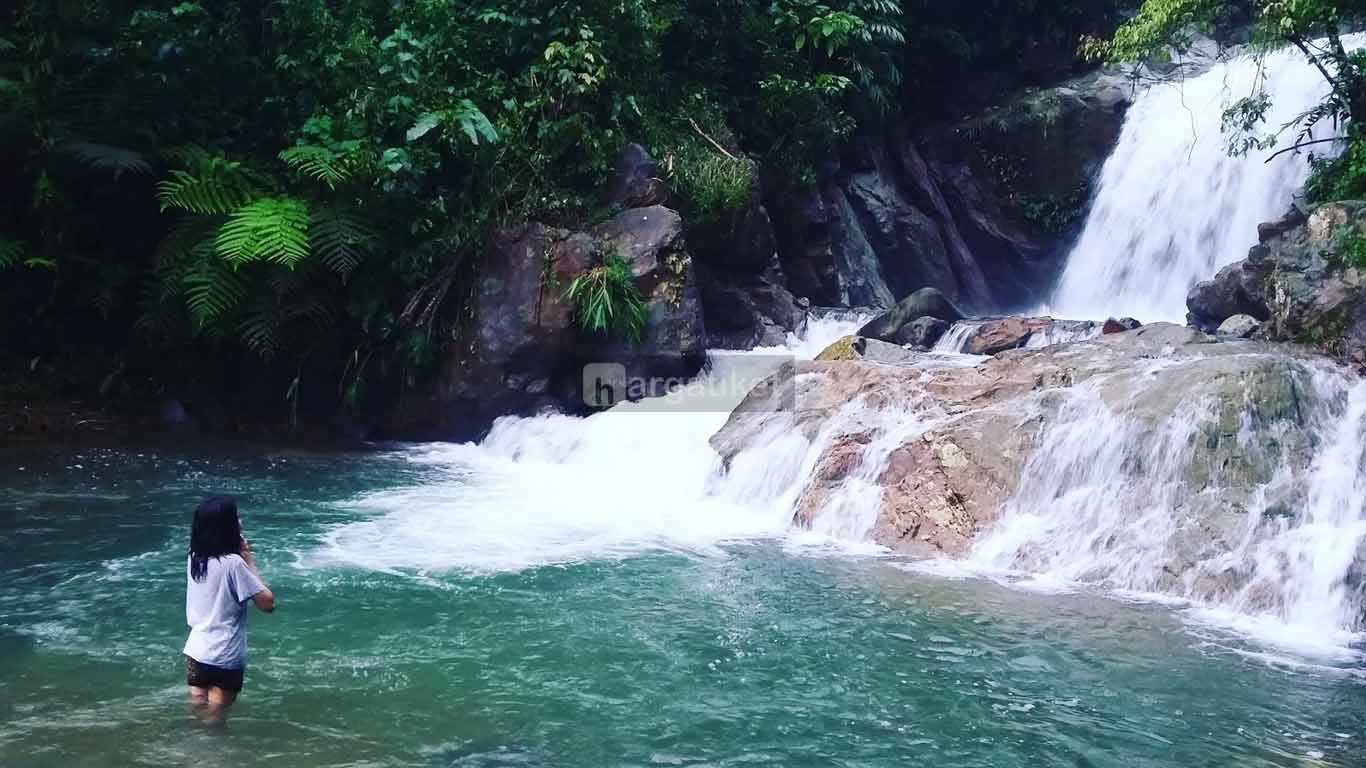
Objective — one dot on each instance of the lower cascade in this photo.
(1156, 462)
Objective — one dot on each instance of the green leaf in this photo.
(394, 159)
(107, 158)
(11, 253)
(341, 240)
(475, 123)
(423, 126)
(270, 229)
(217, 193)
(318, 163)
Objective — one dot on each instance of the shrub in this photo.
(606, 300)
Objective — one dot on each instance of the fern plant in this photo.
(606, 300)
(340, 239)
(319, 163)
(117, 160)
(217, 186)
(11, 253)
(271, 229)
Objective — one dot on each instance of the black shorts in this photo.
(208, 676)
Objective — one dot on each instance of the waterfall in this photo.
(1106, 498)
(1171, 206)
(554, 488)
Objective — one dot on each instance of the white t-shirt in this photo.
(216, 612)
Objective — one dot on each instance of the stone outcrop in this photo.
(526, 352)
(980, 210)
(1301, 282)
(745, 295)
(636, 181)
(946, 446)
(1018, 177)
(926, 302)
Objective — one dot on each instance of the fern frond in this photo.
(260, 329)
(188, 242)
(189, 156)
(340, 239)
(271, 229)
(212, 290)
(11, 253)
(318, 163)
(286, 310)
(205, 194)
(108, 158)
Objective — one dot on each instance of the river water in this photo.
(760, 649)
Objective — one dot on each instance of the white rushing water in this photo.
(1105, 498)
(554, 488)
(1171, 206)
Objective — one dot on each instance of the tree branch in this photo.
(710, 140)
(1318, 64)
(1303, 144)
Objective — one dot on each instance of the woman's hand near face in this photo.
(244, 548)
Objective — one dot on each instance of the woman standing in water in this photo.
(221, 578)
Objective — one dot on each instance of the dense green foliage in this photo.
(294, 195)
(313, 182)
(1315, 28)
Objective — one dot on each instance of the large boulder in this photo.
(1237, 289)
(921, 333)
(1301, 282)
(1240, 326)
(926, 459)
(652, 243)
(926, 302)
(990, 337)
(524, 351)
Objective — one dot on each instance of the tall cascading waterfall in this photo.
(1104, 497)
(1171, 206)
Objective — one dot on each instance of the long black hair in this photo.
(216, 532)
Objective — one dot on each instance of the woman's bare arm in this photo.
(265, 599)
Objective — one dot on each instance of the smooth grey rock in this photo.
(1240, 326)
(926, 302)
(921, 333)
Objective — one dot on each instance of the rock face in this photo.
(980, 210)
(1018, 177)
(939, 452)
(926, 302)
(1300, 282)
(526, 352)
(636, 182)
(744, 291)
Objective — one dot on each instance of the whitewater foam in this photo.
(554, 489)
